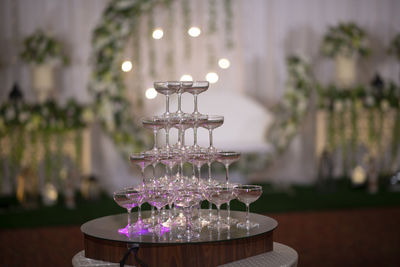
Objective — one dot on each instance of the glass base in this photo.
(188, 235)
(247, 226)
(133, 230)
(230, 221)
(219, 226)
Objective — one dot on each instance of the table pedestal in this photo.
(103, 242)
(281, 255)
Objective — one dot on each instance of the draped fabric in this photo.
(264, 33)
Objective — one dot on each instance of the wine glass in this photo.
(198, 159)
(211, 157)
(197, 122)
(195, 89)
(187, 199)
(155, 124)
(169, 159)
(142, 160)
(168, 124)
(182, 88)
(247, 194)
(123, 200)
(227, 158)
(158, 198)
(138, 197)
(213, 121)
(167, 90)
(219, 195)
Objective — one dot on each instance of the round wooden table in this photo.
(103, 242)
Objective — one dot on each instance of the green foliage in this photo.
(40, 48)
(394, 47)
(49, 117)
(346, 39)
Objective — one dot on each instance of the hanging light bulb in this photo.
(224, 63)
(212, 77)
(194, 31)
(126, 66)
(186, 77)
(158, 34)
(151, 93)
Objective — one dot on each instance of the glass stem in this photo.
(209, 172)
(188, 220)
(195, 105)
(179, 103)
(158, 217)
(155, 141)
(199, 171)
(179, 139)
(170, 171)
(167, 137)
(195, 136)
(247, 214)
(183, 139)
(181, 170)
(139, 214)
(167, 105)
(210, 133)
(219, 215)
(194, 171)
(129, 217)
(152, 214)
(154, 172)
(143, 179)
(227, 173)
(228, 209)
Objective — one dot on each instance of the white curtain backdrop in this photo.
(265, 32)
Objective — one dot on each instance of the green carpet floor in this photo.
(295, 198)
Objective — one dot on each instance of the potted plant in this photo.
(345, 43)
(43, 53)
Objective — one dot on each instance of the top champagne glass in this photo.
(167, 89)
(182, 88)
(197, 88)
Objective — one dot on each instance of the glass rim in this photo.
(247, 187)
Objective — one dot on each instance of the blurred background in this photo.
(309, 91)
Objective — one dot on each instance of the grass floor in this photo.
(295, 198)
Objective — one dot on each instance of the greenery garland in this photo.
(152, 50)
(211, 31)
(186, 14)
(293, 108)
(107, 86)
(169, 59)
(228, 24)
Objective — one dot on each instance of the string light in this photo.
(151, 93)
(194, 31)
(126, 66)
(186, 77)
(224, 63)
(212, 77)
(158, 34)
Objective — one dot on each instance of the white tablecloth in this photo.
(280, 256)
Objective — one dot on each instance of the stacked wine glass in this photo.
(183, 193)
